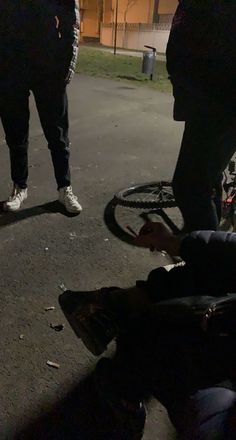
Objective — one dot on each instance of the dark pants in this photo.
(180, 368)
(52, 106)
(207, 146)
(209, 414)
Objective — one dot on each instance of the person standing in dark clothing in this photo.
(38, 51)
(201, 61)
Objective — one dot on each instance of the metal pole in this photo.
(156, 11)
(116, 23)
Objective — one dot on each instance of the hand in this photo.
(158, 236)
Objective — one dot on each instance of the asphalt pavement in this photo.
(120, 133)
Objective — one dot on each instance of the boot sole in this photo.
(91, 342)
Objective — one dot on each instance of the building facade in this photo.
(139, 22)
(90, 19)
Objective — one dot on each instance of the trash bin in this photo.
(149, 61)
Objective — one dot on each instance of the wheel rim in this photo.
(150, 195)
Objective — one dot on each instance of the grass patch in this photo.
(95, 62)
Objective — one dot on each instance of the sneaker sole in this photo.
(69, 210)
(9, 209)
(94, 345)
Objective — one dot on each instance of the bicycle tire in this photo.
(160, 196)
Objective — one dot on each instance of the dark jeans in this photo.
(181, 369)
(207, 146)
(52, 106)
(209, 414)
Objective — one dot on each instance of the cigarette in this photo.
(53, 364)
(131, 230)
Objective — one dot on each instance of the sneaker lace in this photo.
(69, 194)
(17, 193)
(20, 195)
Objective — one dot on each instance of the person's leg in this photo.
(205, 415)
(152, 360)
(207, 146)
(52, 105)
(97, 316)
(14, 112)
(128, 412)
(123, 383)
(148, 361)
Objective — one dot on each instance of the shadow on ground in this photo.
(79, 416)
(131, 78)
(117, 222)
(7, 218)
(113, 225)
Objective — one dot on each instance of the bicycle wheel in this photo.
(153, 195)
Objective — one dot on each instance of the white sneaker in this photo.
(14, 202)
(69, 200)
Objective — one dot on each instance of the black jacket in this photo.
(38, 36)
(201, 57)
(210, 268)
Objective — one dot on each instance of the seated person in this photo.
(166, 345)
